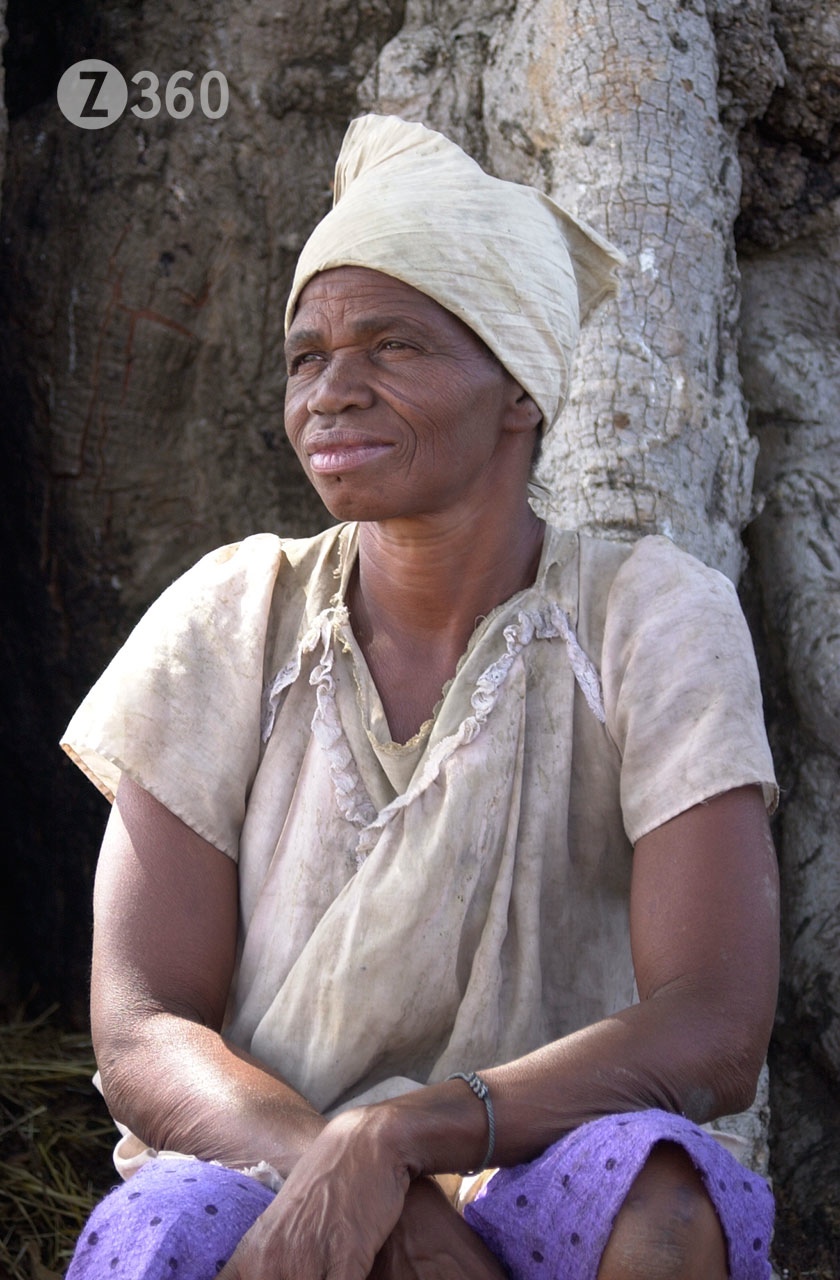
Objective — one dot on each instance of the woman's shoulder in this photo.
(179, 706)
(240, 582)
(262, 554)
(622, 580)
(649, 565)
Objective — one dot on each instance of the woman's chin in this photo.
(347, 501)
(346, 506)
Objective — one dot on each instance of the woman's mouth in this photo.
(328, 456)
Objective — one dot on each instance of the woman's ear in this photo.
(523, 415)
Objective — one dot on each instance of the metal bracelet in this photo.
(482, 1092)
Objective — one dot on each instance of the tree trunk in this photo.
(612, 110)
(790, 348)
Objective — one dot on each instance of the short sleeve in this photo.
(681, 687)
(178, 708)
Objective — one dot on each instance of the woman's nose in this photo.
(341, 384)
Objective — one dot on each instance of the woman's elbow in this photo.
(738, 1085)
(733, 1070)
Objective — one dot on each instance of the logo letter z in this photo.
(89, 111)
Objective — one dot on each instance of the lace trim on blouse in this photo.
(352, 800)
(351, 797)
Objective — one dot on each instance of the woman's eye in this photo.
(302, 359)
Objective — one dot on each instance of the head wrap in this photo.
(504, 258)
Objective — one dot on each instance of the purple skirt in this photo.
(551, 1219)
(173, 1220)
(547, 1220)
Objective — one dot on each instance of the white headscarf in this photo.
(504, 258)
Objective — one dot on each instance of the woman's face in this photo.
(393, 405)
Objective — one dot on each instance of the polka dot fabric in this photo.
(550, 1219)
(174, 1220)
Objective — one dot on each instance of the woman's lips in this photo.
(329, 457)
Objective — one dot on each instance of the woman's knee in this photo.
(667, 1227)
(179, 1218)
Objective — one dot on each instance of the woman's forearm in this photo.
(655, 1054)
(164, 952)
(179, 1086)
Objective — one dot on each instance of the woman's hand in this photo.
(349, 1211)
(432, 1241)
(334, 1212)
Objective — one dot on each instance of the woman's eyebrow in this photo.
(368, 325)
(302, 338)
(364, 327)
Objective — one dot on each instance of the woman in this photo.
(440, 840)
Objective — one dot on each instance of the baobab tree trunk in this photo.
(789, 236)
(143, 382)
(792, 376)
(612, 108)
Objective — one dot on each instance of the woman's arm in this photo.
(165, 920)
(704, 926)
(705, 940)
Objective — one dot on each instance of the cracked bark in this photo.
(788, 235)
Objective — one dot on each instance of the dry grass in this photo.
(55, 1143)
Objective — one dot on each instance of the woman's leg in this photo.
(174, 1220)
(645, 1190)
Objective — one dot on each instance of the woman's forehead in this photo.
(371, 297)
(367, 287)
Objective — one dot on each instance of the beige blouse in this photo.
(411, 910)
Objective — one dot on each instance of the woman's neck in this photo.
(435, 582)
(417, 594)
